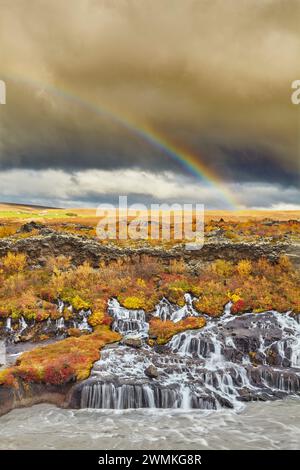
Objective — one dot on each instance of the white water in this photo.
(23, 324)
(167, 311)
(59, 326)
(273, 425)
(206, 368)
(8, 324)
(128, 322)
(60, 323)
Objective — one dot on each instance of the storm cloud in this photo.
(212, 77)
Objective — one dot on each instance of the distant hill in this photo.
(30, 207)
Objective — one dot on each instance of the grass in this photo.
(23, 212)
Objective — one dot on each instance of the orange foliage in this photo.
(61, 362)
(164, 330)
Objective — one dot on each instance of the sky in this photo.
(211, 77)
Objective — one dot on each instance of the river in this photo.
(270, 425)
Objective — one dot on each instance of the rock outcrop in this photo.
(80, 249)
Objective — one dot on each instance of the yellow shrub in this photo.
(7, 231)
(177, 267)
(222, 268)
(96, 318)
(134, 302)
(79, 304)
(284, 263)
(244, 267)
(141, 283)
(14, 262)
(234, 297)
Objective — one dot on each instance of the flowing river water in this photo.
(271, 425)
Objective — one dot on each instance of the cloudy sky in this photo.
(212, 77)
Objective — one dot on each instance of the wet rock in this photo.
(151, 372)
(132, 342)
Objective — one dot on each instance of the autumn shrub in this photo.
(96, 318)
(177, 267)
(163, 331)
(222, 267)
(58, 263)
(244, 267)
(14, 262)
(7, 231)
(134, 302)
(61, 362)
(238, 306)
(79, 304)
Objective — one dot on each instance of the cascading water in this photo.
(23, 324)
(60, 323)
(232, 360)
(128, 322)
(14, 329)
(167, 311)
(60, 306)
(8, 325)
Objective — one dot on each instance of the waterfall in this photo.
(60, 323)
(207, 368)
(60, 306)
(128, 322)
(108, 395)
(23, 324)
(166, 311)
(8, 324)
(84, 326)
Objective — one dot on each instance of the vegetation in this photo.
(254, 286)
(67, 360)
(138, 283)
(162, 331)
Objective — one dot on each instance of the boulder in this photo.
(132, 342)
(30, 226)
(151, 372)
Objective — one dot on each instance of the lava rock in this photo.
(151, 372)
(30, 226)
(133, 342)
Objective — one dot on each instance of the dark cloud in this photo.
(213, 77)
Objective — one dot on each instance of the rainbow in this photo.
(188, 160)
